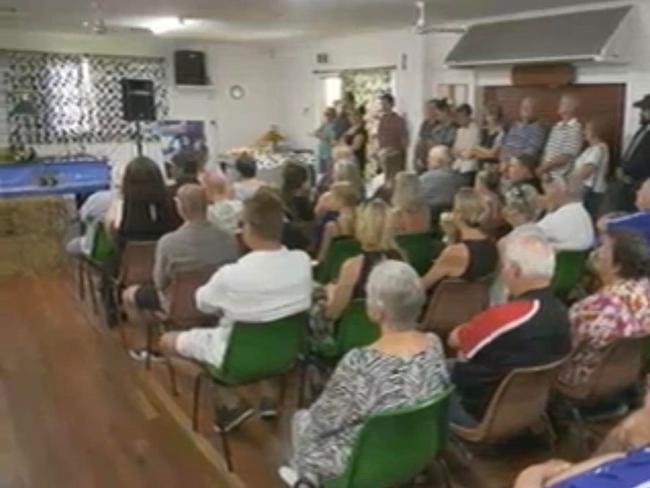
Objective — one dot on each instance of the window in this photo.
(333, 86)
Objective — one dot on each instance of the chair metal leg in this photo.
(550, 432)
(197, 397)
(80, 280)
(172, 376)
(226, 451)
(149, 346)
(302, 383)
(581, 431)
(92, 290)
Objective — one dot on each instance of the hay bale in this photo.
(10, 256)
(40, 215)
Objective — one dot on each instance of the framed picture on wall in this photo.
(455, 93)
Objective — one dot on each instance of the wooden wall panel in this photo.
(603, 101)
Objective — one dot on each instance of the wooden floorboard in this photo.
(75, 411)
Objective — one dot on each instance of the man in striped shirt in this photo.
(565, 140)
(532, 329)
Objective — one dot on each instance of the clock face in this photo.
(237, 92)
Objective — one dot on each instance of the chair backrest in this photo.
(103, 250)
(263, 350)
(180, 294)
(341, 249)
(421, 249)
(620, 368)
(354, 328)
(569, 269)
(519, 402)
(136, 263)
(394, 446)
(454, 302)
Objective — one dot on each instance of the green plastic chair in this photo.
(99, 260)
(256, 351)
(569, 269)
(393, 447)
(421, 249)
(341, 249)
(103, 249)
(354, 329)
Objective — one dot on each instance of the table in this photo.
(270, 166)
(79, 176)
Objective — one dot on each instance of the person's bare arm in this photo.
(556, 162)
(341, 292)
(538, 475)
(453, 341)
(358, 142)
(451, 263)
(324, 203)
(329, 233)
(586, 171)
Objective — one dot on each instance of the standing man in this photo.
(565, 141)
(392, 134)
(526, 136)
(425, 135)
(468, 137)
(635, 162)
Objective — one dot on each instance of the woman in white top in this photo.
(592, 166)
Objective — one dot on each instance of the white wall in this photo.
(296, 63)
(230, 123)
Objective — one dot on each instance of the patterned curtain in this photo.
(77, 97)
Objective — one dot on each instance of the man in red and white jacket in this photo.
(532, 329)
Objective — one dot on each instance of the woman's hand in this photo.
(537, 476)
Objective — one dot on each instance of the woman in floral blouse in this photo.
(621, 308)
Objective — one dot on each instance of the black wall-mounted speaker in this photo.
(189, 68)
(138, 100)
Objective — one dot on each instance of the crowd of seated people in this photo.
(504, 204)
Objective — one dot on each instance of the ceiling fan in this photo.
(96, 24)
(422, 27)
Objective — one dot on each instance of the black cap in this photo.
(643, 103)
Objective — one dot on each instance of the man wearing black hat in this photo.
(635, 162)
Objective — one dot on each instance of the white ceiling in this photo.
(256, 20)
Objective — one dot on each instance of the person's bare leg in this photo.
(136, 316)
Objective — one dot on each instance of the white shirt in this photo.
(262, 286)
(466, 138)
(597, 156)
(92, 212)
(569, 228)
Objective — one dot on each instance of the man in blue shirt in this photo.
(639, 221)
(526, 136)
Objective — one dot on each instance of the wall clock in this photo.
(237, 92)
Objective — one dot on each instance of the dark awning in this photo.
(567, 37)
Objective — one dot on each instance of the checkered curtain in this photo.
(77, 97)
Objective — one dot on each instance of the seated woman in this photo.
(377, 245)
(403, 367)
(521, 207)
(345, 170)
(410, 213)
(296, 193)
(144, 211)
(224, 211)
(487, 185)
(522, 169)
(345, 200)
(470, 254)
(621, 308)
(247, 183)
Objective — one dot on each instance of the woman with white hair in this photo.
(403, 367)
(410, 213)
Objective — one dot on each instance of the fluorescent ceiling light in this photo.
(162, 25)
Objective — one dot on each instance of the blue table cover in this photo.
(54, 177)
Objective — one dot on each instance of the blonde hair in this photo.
(372, 229)
(407, 195)
(345, 193)
(346, 171)
(469, 207)
(342, 152)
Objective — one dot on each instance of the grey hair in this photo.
(407, 194)
(394, 287)
(531, 252)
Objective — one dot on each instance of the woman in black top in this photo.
(492, 135)
(470, 254)
(357, 138)
(377, 244)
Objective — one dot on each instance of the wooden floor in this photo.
(75, 411)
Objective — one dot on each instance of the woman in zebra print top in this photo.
(404, 367)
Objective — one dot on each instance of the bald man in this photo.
(196, 244)
(565, 140)
(440, 183)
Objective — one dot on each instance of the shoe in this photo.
(268, 410)
(141, 355)
(228, 419)
(288, 475)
